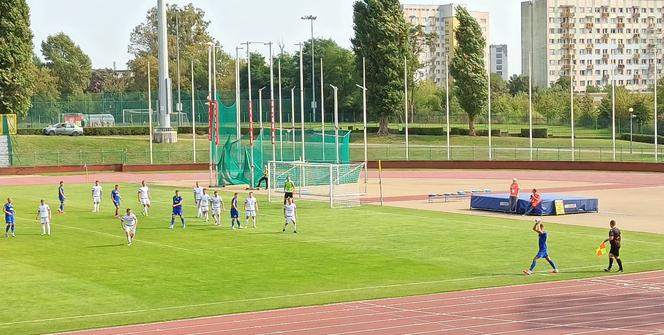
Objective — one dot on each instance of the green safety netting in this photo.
(234, 155)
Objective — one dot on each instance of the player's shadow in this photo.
(106, 246)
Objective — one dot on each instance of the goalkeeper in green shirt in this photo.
(289, 188)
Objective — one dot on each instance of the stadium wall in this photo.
(393, 165)
(12, 171)
(520, 165)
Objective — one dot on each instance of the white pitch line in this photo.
(348, 290)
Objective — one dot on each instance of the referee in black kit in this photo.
(614, 239)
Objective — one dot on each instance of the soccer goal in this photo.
(339, 184)
(141, 117)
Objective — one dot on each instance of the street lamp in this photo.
(631, 128)
(313, 67)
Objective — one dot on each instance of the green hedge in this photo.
(643, 138)
(537, 132)
(117, 131)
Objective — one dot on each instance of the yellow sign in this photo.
(8, 124)
(560, 207)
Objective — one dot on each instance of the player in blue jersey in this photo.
(177, 210)
(543, 252)
(235, 213)
(9, 217)
(116, 198)
(61, 197)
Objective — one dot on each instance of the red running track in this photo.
(625, 304)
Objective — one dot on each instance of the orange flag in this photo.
(601, 250)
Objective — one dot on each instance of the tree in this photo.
(109, 80)
(563, 83)
(70, 65)
(382, 36)
(552, 103)
(45, 93)
(427, 100)
(194, 40)
(16, 68)
(518, 84)
(468, 68)
(498, 85)
(585, 111)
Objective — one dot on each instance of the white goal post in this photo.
(338, 184)
(140, 117)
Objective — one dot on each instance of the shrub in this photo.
(643, 138)
(537, 132)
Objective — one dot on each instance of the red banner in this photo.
(272, 127)
(210, 120)
(251, 123)
(216, 110)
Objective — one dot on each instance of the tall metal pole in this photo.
(251, 115)
(364, 120)
(293, 121)
(405, 103)
(304, 159)
(489, 111)
(193, 112)
(165, 132)
(210, 105)
(237, 94)
(150, 111)
(447, 104)
(313, 68)
(281, 125)
(571, 104)
(530, 82)
(613, 109)
(336, 122)
(272, 112)
(215, 114)
(177, 47)
(656, 113)
(322, 108)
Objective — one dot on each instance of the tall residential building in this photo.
(595, 41)
(499, 60)
(440, 19)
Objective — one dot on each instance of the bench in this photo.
(459, 195)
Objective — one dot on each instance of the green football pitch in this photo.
(85, 275)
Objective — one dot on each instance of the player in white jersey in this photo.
(96, 197)
(217, 207)
(198, 194)
(204, 205)
(250, 208)
(129, 222)
(290, 214)
(44, 216)
(144, 197)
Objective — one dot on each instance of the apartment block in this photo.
(440, 19)
(499, 66)
(597, 42)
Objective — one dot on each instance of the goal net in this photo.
(338, 184)
(140, 117)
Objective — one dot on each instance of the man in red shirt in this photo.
(514, 195)
(535, 201)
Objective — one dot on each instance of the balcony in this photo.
(636, 57)
(568, 46)
(590, 67)
(636, 36)
(605, 15)
(568, 36)
(605, 57)
(589, 25)
(606, 77)
(590, 46)
(605, 37)
(620, 25)
(621, 46)
(567, 25)
(621, 66)
(637, 77)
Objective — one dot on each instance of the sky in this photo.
(102, 27)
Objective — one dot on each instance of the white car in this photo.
(63, 129)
